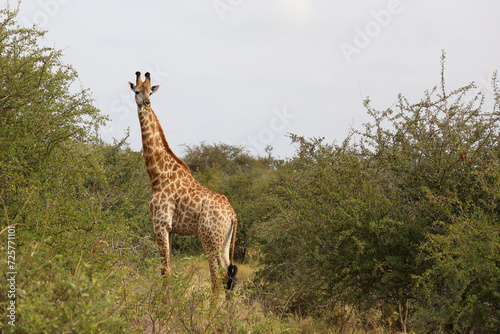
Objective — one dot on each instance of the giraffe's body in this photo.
(179, 204)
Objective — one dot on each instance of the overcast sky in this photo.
(247, 72)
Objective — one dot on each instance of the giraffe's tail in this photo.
(232, 269)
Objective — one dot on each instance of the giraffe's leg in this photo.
(167, 267)
(162, 215)
(163, 240)
(214, 265)
(165, 246)
(214, 261)
(161, 247)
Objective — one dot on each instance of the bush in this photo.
(52, 298)
(404, 220)
(75, 200)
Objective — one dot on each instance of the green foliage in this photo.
(39, 114)
(75, 200)
(441, 157)
(404, 220)
(325, 237)
(53, 299)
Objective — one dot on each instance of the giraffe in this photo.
(178, 203)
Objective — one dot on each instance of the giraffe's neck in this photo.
(160, 161)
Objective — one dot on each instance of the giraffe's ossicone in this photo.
(178, 203)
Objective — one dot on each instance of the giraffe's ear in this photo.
(154, 88)
(131, 85)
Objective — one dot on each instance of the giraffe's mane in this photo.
(167, 147)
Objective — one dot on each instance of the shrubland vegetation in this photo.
(404, 219)
(395, 229)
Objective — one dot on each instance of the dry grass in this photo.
(245, 273)
(193, 309)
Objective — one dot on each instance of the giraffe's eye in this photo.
(136, 92)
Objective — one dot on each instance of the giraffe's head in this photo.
(142, 89)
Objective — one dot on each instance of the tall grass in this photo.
(59, 296)
(193, 309)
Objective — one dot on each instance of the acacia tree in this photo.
(61, 186)
(405, 219)
(441, 161)
(39, 114)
